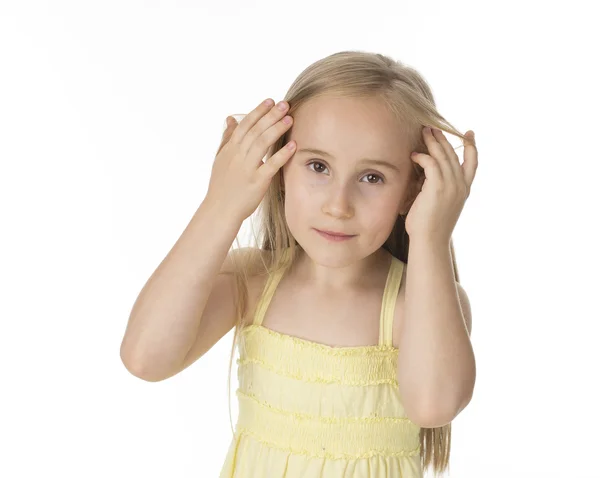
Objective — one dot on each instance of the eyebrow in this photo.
(379, 162)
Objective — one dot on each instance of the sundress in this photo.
(309, 410)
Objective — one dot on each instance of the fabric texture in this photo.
(311, 410)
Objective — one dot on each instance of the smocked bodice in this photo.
(322, 402)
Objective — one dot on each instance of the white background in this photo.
(110, 116)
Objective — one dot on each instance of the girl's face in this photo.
(333, 183)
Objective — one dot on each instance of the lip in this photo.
(333, 233)
(334, 236)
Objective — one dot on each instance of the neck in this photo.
(340, 276)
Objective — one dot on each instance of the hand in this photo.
(239, 178)
(447, 186)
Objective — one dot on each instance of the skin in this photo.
(343, 193)
(436, 363)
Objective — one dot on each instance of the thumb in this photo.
(228, 121)
(230, 125)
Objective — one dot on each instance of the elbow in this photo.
(136, 368)
(437, 415)
(431, 420)
(139, 372)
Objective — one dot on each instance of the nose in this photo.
(338, 204)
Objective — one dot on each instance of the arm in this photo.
(165, 317)
(436, 363)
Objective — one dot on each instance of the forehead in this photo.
(363, 126)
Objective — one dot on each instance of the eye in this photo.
(373, 176)
(316, 162)
(365, 176)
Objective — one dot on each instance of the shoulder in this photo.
(252, 260)
(256, 263)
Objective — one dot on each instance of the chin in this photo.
(330, 254)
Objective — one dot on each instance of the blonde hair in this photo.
(354, 74)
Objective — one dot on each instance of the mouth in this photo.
(334, 235)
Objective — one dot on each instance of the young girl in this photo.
(352, 363)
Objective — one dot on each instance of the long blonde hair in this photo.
(355, 74)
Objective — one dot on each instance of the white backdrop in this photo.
(110, 116)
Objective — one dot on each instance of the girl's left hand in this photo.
(447, 186)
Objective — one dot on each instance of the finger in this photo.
(257, 133)
(438, 154)
(250, 120)
(430, 165)
(231, 124)
(451, 155)
(471, 161)
(260, 146)
(275, 162)
(444, 144)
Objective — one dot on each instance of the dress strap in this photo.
(388, 305)
(267, 295)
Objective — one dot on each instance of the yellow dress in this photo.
(309, 410)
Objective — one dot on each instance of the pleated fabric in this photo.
(311, 410)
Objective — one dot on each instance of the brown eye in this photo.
(371, 175)
(316, 162)
(379, 179)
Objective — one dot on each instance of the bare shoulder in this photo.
(257, 262)
(251, 258)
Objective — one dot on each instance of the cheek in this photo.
(298, 195)
(380, 226)
(380, 215)
(379, 211)
(301, 187)
(379, 200)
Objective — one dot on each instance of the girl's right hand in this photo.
(239, 178)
